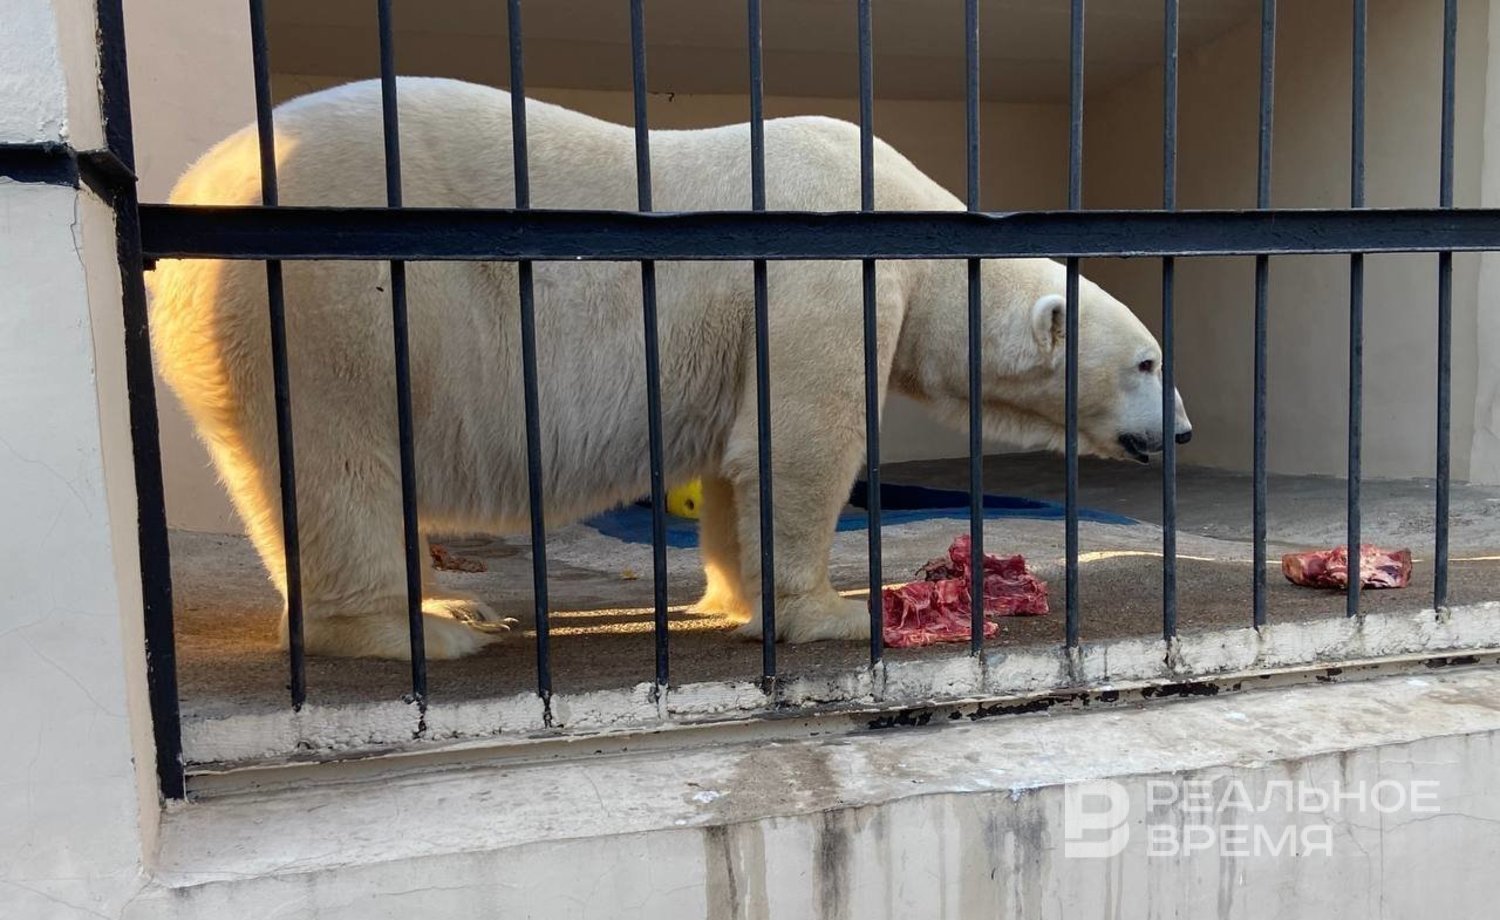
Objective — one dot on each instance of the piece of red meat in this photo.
(937, 608)
(1329, 568)
(445, 559)
(929, 612)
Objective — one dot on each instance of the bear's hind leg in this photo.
(354, 568)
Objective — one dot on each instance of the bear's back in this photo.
(456, 152)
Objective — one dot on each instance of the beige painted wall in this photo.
(1485, 459)
(1015, 176)
(1307, 407)
(187, 91)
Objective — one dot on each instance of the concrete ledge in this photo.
(960, 820)
(517, 720)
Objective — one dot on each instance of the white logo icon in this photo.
(1094, 815)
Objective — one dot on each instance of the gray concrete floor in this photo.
(1219, 503)
(601, 590)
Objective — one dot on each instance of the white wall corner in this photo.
(78, 806)
(32, 81)
(49, 75)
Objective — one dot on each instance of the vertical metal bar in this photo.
(653, 346)
(392, 131)
(1445, 313)
(1168, 334)
(1070, 407)
(762, 357)
(145, 442)
(1356, 305)
(527, 289)
(291, 537)
(871, 344)
(976, 338)
(1262, 281)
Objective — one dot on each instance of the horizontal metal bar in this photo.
(53, 163)
(439, 234)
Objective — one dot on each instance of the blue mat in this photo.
(899, 504)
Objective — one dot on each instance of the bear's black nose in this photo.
(1184, 436)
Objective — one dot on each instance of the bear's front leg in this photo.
(812, 472)
(719, 545)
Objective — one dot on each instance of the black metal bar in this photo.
(871, 344)
(44, 163)
(145, 444)
(976, 339)
(1356, 306)
(54, 163)
(281, 383)
(1262, 283)
(527, 289)
(653, 344)
(1070, 336)
(485, 235)
(762, 357)
(1445, 315)
(404, 426)
(1168, 334)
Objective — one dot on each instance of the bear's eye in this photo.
(1147, 366)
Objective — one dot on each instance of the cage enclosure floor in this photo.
(601, 586)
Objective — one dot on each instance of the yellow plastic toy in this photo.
(684, 501)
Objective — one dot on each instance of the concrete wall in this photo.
(77, 799)
(1328, 802)
(1219, 87)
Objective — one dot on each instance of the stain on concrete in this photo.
(734, 857)
(721, 888)
(1030, 851)
(835, 837)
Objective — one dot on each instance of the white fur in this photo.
(211, 336)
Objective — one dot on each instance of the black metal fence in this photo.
(273, 233)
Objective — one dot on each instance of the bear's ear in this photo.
(1048, 321)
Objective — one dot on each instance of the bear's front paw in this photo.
(812, 618)
(720, 602)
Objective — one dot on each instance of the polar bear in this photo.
(210, 334)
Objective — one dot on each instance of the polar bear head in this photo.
(1024, 353)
